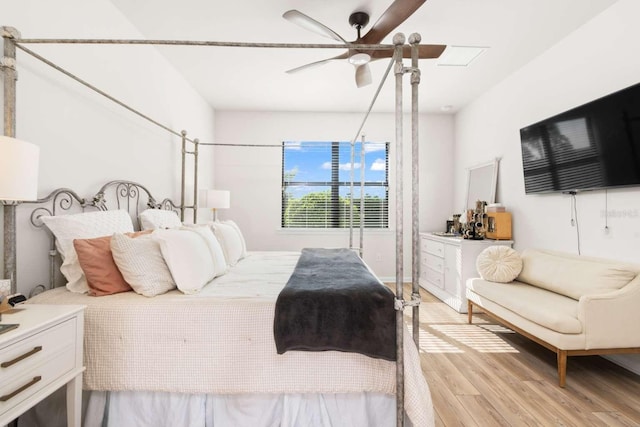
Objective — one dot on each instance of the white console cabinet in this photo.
(447, 262)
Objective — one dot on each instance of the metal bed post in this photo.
(196, 143)
(398, 41)
(362, 209)
(414, 40)
(351, 196)
(183, 173)
(362, 213)
(10, 75)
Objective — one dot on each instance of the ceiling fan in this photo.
(395, 15)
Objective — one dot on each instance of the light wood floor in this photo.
(486, 375)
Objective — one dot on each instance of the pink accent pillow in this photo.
(96, 261)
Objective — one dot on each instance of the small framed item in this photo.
(499, 225)
(7, 327)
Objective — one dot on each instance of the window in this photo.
(316, 185)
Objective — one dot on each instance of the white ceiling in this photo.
(254, 79)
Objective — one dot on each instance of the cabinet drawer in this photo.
(434, 262)
(434, 248)
(434, 277)
(36, 350)
(29, 381)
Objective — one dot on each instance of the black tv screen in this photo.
(595, 145)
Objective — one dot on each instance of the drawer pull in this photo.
(19, 358)
(21, 389)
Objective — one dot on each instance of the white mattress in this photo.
(221, 342)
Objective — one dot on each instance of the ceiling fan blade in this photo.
(363, 75)
(311, 24)
(425, 51)
(395, 15)
(316, 64)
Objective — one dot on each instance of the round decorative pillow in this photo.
(499, 264)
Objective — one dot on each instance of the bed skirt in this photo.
(159, 409)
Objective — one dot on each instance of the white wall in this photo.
(597, 59)
(253, 175)
(85, 139)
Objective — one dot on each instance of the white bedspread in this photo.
(221, 342)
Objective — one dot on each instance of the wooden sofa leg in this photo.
(562, 367)
(469, 310)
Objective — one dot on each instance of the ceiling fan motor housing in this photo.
(359, 20)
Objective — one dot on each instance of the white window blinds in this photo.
(316, 184)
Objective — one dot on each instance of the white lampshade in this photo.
(18, 169)
(214, 199)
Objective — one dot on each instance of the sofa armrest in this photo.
(611, 320)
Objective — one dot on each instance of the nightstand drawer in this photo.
(30, 381)
(36, 350)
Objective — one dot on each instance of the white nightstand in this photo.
(41, 355)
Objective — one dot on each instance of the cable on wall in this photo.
(574, 217)
(606, 211)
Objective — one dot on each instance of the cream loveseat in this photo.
(570, 304)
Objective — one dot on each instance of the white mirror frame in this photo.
(482, 180)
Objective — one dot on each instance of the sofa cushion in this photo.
(548, 309)
(499, 264)
(571, 275)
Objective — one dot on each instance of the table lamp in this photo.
(18, 182)
(18, 170)
(214, 199)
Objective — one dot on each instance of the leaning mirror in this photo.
(481, 183)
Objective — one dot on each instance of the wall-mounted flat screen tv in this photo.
(593, 146)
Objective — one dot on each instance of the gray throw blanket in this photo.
(333, 302)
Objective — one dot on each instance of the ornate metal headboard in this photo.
(125, 195)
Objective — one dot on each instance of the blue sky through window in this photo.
(310, 161)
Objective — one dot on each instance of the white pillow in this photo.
(499, 264)
(188, 257)
(152, 219)
(87, 225)
(217, 254)
(244, 244)
(230, 240)
(141, 264)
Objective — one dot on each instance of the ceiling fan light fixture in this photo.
(363, 75)
(359, 58)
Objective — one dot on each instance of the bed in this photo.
(170, 386)
(209, 358)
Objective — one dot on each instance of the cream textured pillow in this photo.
(188, 257)
(141, 264)
(217, 254)
(87, 225)
(96, 261)
(152, 219)
(499, 264)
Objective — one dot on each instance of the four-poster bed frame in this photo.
(12, 40)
